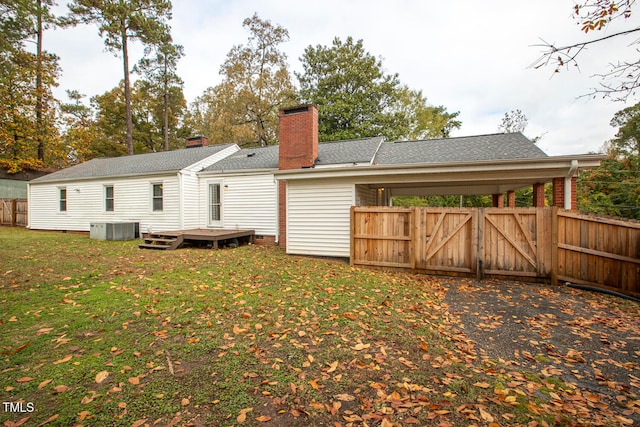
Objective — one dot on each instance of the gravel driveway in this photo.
(589, 341)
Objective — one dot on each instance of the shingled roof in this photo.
(248, 159)
(139, 164)
(500, 146)
(353, 151)
(350, 152)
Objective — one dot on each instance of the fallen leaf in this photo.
(63, 360)
(60, 388)
(332, 367)
(101, 376)
(386, 423)
(482, 384)
(360, 346)
(345, 397)
(314, 384)
(424, 346)
(44, 384)
(17, 423)
(486, 416)
(263, 418)
(138, 423)
(24, 379)
(242, 417)
(184, 402)
(134, 380)
(82, 415)
(623, 420)
(48, 420)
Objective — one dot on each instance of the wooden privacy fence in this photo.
(537, 243)
(13, 212)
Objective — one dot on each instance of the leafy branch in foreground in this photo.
(623, 77)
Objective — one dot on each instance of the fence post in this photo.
(14, 212)
(352, 249)
(480, 256)
(554, 245)
(413, 234)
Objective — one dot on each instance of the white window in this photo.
(63, 198)
(108, 198)
(157, 197)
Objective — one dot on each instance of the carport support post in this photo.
(511, 199)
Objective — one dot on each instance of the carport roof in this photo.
(501, 146)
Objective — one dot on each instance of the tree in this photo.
(160, 71)
(15, 24)
(256, 83)
(623, 77)
(21, 21)
(147, 120)
(80, 131)
(20, 127)
(356, 98)
(119, 22)
(614, 187)
(513, 121)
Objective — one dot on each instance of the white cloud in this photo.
(469, 56)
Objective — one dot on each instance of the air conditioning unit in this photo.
(114, 230)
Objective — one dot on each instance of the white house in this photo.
(158, 190)
(298, 193)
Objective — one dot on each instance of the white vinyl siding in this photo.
(318, 218)
(86, 204)
(249, 202)
(192, 202)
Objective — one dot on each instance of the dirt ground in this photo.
(589, 340)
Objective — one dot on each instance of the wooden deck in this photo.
(171, 240)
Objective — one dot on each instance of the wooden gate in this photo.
(494, 241)
(537, 243)
(512, 241)
(445, 240)
(13, 212)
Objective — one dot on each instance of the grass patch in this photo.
(102, 333)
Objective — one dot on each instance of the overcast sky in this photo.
(469, 56)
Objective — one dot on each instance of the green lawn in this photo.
(102, 333)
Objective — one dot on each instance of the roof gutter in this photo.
(109, 177)
(573, 170)
(563, 164)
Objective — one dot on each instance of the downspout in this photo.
(28, 205)
(567, 184)
(180, 201)
(277, 182)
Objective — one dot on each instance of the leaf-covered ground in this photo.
(101, 333)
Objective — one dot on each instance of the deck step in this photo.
(161, 242)
(152, 246)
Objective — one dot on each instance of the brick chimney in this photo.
(197, 141)
(298, 137)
